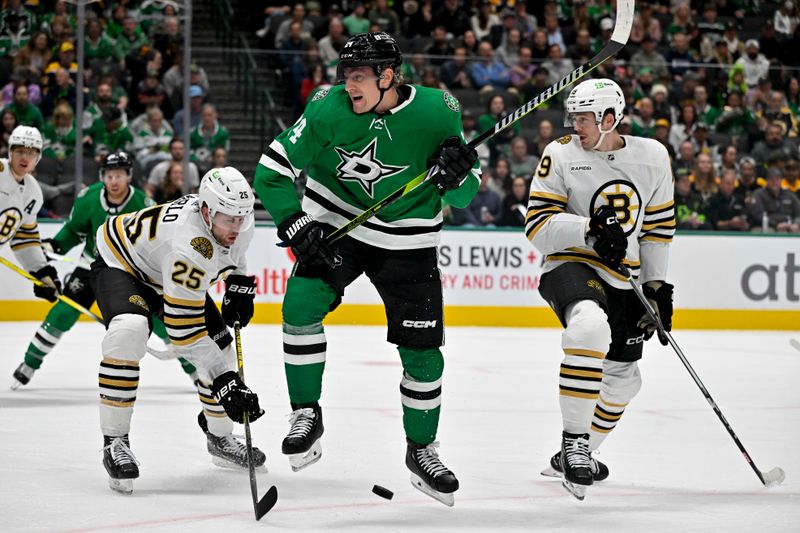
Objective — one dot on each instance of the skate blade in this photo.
(125, 486)
(446, 498)
(231, 465)
(579, 491)
(551, 472)
(299, 461)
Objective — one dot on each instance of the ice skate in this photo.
(228, 451)
(22, 375)
(599, 470)
(429, 475)
(120, 463)
(302, 444)
(575, 461)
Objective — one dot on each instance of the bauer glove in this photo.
(454, 159)
(237, 304)
(659, 294)
(307, 240)
(234, 396)
(52, 286)
(610, 241)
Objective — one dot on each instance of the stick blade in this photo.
(774, 477)
(267, 502)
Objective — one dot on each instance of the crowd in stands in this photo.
(133, 97)
(716, 82)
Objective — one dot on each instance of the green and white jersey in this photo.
(353, 161)
(89, 212)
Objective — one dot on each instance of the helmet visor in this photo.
(582, 119)
(228, 223)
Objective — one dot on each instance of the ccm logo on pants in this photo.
(419, 324)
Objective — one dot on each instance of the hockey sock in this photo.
(305, 305)
(421, 392)
(304, 361)
(59, 320)
(606, 416)
(217, 421)
(119, 381)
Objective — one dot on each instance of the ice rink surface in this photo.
(673, 465)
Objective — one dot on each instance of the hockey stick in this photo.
(769, 479)
(263, 506)
(66, 299)
(622, 30)
(155, 352)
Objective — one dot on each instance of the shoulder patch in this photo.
(319, 95)
(452, 102)
(203, 247)
(564, 140)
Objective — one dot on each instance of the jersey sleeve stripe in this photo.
(390, 230)
(23, 245)
(29, 227)
(189, 339)
(653, 209)
(112, 245)
(26, 235)
(281, 151)
(542, 196)
(666, 224)
(656, 238)
(184, 303)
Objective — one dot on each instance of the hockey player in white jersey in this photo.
(163, 259)
(600, 199)
(20, 202)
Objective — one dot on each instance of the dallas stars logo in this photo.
(364, 168)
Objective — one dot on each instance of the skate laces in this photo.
(121, 454)
(577, 450)
(231, 444)
(301, 420)
(428, 458)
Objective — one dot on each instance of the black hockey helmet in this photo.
(378, 50)
(114, 160)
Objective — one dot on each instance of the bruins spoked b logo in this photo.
(624, 198)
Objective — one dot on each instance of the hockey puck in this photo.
(382, 492)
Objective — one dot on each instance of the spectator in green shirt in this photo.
(97, 46)
(206, 136)
(356, 22)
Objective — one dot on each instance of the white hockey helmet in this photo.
(26, 136)
(595, 96)
(225, 190)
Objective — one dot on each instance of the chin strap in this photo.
(382, 91)
(602, 136)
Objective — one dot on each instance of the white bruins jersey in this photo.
(169, 248)
(19, 205)
(570, 183)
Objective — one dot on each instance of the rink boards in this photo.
(491, 278)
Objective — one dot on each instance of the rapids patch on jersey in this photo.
(203, 246)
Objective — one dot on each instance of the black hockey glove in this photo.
(237, 304)
(454, 159)
(659, 294)
(610, 241)
(307, 239)
(234, 396)
(52, 286)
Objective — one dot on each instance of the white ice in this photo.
(673, 465)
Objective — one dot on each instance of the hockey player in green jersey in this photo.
(360, 141)
(113, 195)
